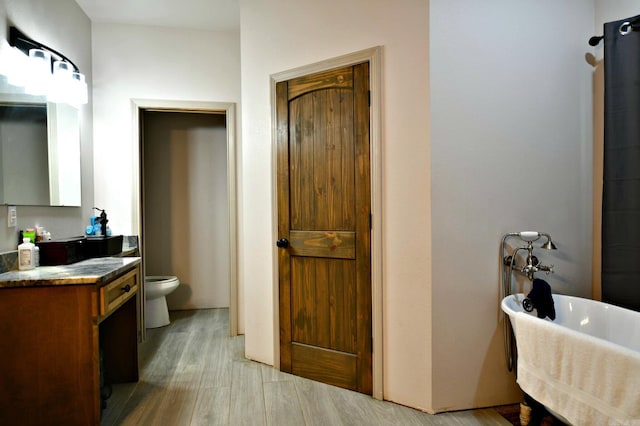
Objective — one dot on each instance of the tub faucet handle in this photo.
(547, 269)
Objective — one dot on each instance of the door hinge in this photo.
(369, 97)
(370, 221)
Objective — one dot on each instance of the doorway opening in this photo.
(185, 206)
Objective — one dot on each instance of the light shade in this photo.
(80, 89)
(67, 86)
(39, 72)
(14, 67)
(62, 69)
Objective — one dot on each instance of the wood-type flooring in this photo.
(193, 373)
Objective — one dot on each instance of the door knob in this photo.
(282, 243)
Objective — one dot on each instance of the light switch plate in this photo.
(12, 217)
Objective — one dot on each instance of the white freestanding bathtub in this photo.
(584, 366)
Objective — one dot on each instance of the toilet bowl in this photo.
(155, 290)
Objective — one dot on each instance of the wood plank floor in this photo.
(193, 373)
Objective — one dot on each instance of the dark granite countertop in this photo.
(91, 271)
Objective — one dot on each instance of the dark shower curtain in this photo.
(621, 178)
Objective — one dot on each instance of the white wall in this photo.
(63, 26)
(285, 34)
(141, 62)
(511, 141)
(613, 10)
(144, 62)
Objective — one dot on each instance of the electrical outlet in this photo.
(12, 217)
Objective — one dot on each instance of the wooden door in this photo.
(324, 227)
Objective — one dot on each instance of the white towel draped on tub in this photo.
(587, 380)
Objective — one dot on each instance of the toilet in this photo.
(155, 290)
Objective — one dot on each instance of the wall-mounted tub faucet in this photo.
(528, 266)
(532, 264)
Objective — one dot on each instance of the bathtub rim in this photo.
(506, 309)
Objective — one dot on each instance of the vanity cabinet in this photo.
(60, 328)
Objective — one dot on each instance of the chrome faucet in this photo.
(532, 264)
(529, 268)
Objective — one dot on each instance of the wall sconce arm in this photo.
(23, 43)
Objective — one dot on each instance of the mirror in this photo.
(39, 150)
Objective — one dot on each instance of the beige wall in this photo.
(63, 26)
(280, 35)
(185, 206)
(511, 149)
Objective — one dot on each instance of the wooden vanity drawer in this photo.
(118, 291)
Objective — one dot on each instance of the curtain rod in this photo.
(625, 28)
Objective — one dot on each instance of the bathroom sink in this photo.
(71, 250)
(103, 246)
(62, 251)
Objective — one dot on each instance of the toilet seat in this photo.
(159, 285)
(155, 290)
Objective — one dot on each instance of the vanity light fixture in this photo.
(44, 71)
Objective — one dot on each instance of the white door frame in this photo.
(374, 57)
(229, 109)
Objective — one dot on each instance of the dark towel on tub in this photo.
(542, 300)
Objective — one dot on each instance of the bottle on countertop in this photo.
(42, 234)
(36, 256)
(30, 233)
(26, 256)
